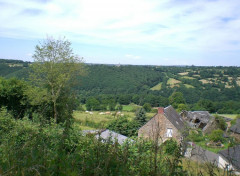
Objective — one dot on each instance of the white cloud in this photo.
(193, 25)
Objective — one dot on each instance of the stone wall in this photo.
(156, 128)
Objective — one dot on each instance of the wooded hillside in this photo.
(217, 88)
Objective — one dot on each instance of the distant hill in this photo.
(212, 83)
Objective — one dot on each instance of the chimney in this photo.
(160, 110)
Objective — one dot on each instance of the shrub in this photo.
(147, 107)
(221, 124)
(216, 136)
(196, 136)
(170, 146)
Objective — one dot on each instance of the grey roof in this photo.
(202, 155)
(204, 116)
(174, 117)
(236, 128)
(108, 135)
(232, 154)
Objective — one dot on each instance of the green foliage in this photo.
(170, 146)
(92, 104)
(124, 126)
(182, 107)
(195, 136)
(131, 84)
(216, 136)
(119, 107)
(140, 116)
(13, 97)
(176, 98)
(147, 107)
(56, 68)
(221, 124)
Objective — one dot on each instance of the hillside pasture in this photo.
(157, 87)
(188, 77)
(173, 82)
(183, 73)
(188, 86)
(205, 81)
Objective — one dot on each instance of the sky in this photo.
(139, 32)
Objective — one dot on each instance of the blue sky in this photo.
(143, 32)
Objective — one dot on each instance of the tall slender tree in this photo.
(55, 68)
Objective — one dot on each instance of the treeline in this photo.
(109, 84)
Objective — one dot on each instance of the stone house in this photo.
(166, 124)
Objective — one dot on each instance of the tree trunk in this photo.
(55, 111)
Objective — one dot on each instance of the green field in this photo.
(188, 86)
(173, 82)
(87, 121)
(130, 108)
(187, 77)
(157, 87)
(232, 116)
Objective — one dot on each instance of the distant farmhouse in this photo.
(166, 124)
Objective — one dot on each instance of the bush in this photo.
(147, 107)
(195, 136)
(170, 146)
(216, 136)
(124, 126)
(221, 124)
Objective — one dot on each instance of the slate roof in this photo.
(202, 155)
(107, 134)
(113, 136)
(232, 155)
(204, 116)
(236, 128)
(174, 117)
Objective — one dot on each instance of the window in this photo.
(169, 132)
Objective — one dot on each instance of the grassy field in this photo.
(187, 77)
(87, 121)
(188, 86)
(183, 73)
(215, 150)
(130, 107)
(232, 116)
(157, 87)
(173, 82)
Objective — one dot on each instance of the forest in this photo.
(216, 89)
